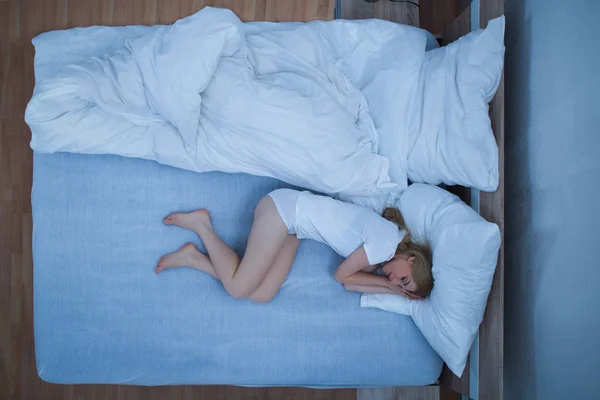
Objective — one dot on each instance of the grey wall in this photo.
(552, 323)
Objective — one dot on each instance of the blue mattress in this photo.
(103, 316)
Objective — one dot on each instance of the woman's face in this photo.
(399, 269)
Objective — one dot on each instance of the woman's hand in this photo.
(409, 295)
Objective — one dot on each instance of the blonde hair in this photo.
(422, 267)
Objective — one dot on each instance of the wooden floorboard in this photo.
(399, 393)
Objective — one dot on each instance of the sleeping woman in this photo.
(282, 218)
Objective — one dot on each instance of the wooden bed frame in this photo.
(483, 376)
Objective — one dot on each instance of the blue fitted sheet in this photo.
(103, 316)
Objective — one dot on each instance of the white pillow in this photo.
(451, 138)
(465, 252)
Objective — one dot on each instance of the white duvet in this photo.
(210, 93)
(353, 108)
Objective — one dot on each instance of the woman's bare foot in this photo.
(190, 220)
(186, 256)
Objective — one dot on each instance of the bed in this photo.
(101, 316)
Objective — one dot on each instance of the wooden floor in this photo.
(20, 20)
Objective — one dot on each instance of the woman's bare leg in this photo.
(267, 236)
(280, 269)
(189, 256)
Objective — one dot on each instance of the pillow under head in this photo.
(465, 252)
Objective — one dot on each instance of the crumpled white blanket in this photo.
(302, 102)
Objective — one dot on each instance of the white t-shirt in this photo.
(345, 227)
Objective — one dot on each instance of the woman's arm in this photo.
(368, 289)
(351, 274)
(370, 268)
(389, 289)
(350, 271)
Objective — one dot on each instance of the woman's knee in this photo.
(258, 296)
(236, 294)
(237, 291)
(262, 297)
